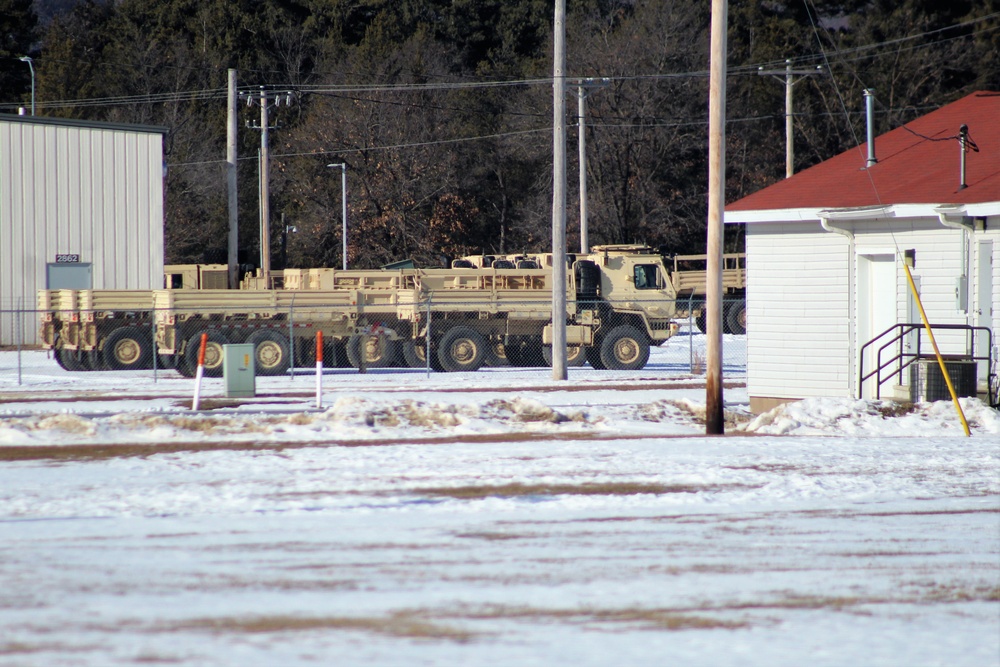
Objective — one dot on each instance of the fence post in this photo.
(152, 337)
(20, 307)
(691, 334)
(427, 338)
(291, 337)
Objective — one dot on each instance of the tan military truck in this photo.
(687, 273)
(619, 302)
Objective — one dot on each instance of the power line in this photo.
(343, 151)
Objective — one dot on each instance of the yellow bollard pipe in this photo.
(937, 352)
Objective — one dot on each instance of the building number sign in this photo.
(67, 259)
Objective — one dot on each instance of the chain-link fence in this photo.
(79, 347)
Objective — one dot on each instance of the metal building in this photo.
(81, 207)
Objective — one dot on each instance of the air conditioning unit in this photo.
(927, 382)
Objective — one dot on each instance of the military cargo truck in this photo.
(619, 302)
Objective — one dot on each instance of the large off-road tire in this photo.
(70, 360)
(736, 318)
(461, 349)
(625, 348)
(127, 349)
(213, 354)
(271, 354)
(94, 361)
(57, 354)
(415, 353)
(576, 355)
(496, 353)
(380, 351)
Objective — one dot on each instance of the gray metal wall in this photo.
(88, 189)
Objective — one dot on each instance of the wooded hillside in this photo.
(441, 109)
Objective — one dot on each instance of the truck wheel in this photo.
(270, 352)
(625, 348)
(128, 348)
(496, 354)
(461, 349)
(736, 318)
(95, 361)
(213, 354)
(182, 366)
(575, 355)
(379, 350)
(415, 353)
(69, 360)
(57, 353)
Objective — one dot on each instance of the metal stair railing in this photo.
(903, 359)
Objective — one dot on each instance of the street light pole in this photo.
(343, 202)
(31, 66)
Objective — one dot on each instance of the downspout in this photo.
(852, 343)
(963, 224)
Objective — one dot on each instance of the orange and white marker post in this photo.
(319, 370)
(200, 372)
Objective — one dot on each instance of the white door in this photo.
(984, 305)
(876, 313)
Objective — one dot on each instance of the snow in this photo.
(499, 517)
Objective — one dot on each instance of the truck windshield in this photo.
(645, 276)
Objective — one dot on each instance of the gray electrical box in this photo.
(238, 371)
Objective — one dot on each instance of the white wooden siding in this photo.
(802, 314)
(797, 311)
(69, 188)
(938, 265)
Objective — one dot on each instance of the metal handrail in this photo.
(905, 359)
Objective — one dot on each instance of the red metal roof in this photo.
(911, 169)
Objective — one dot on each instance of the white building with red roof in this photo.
(829, 300)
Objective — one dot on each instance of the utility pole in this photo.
(789, 76)
(714, 412)
(559, 194)
(231, 161)
(582, 88)
(265, 99)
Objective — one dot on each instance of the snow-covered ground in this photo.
(490, 518)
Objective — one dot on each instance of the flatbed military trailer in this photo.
(619, 301)
(112, 329)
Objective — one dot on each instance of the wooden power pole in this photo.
(714, 418)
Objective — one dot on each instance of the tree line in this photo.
(441, 109)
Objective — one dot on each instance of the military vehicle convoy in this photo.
(484, 310)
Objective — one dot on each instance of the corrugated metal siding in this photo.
(96, 192)
(797, 307)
